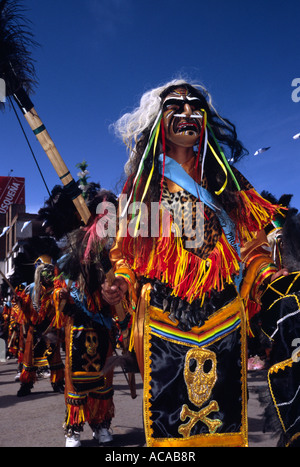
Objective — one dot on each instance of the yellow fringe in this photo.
(204, 270)
(81, 418)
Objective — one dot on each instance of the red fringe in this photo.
(93, 411)
(189, 275)
(77, 415)
(253, 214)
(28, 377)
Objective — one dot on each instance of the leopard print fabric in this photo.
(188, 213)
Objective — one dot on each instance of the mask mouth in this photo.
(186, 126)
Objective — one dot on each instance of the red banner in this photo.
(12, 191)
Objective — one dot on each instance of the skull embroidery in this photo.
(91, 343)
(200, 374)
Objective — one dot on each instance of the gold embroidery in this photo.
(202, 415)
(236, 439)
(200, 375)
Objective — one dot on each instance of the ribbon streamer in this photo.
(150, 176)
(141, 165)
(225, 162)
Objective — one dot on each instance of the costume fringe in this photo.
(76, 415)
(253, 214)
(57, 374)
(25, 309)
(93, 410)
(191, 277)
(188, 275)
(20, 357)
(44, 309)
(59, 318)
(28, 376)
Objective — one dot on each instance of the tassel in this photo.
(254, 213)
(149, 178)
(141, 165)
(227, 166)
(76, 415)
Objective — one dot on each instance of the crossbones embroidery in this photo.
(91, 355)
(90, 362)
(200, 375)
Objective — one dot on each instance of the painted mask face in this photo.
(47, 274)
(182, 118)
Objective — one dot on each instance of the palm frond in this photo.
(16, 44)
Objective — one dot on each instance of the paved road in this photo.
(36, 420)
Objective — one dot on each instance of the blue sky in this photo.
(97, 57)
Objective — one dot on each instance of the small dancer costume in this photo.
(43, 341)
(189, 319)
(88, 394)
(88, 335)
(88, 321)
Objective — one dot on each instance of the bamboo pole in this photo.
(56, 160)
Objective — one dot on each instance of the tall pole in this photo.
(52, 152)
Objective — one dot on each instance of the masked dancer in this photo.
(43, 339)
(191, 260)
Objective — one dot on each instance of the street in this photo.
(36, 420)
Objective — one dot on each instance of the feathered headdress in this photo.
(59, 215)
(87, 250)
